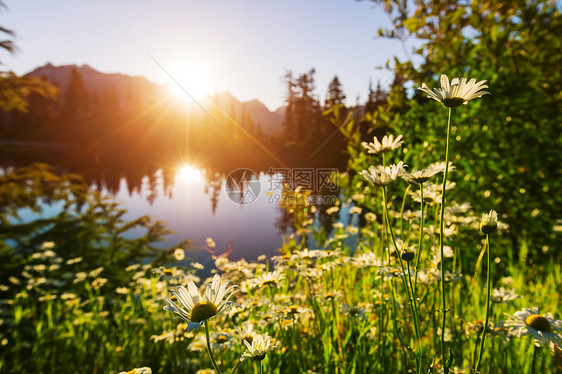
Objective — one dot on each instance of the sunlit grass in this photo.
(330, 312)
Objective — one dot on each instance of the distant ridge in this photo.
(121, 85)
(94, 81)
(269, 122)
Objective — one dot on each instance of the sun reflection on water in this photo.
(189, 173)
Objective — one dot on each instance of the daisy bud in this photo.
(407, 255)
(489, 222)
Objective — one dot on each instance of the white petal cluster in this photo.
(501, 295)
(143, 370)
(388, 144)
(421, 176)
(179, 254)
(383, 176)
(261, 344)
(206, 302)
(266, 279)
(544, 328)
(489, 222)
(457, 92)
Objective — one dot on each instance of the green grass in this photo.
(353, 320)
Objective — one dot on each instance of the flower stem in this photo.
(261, 368)
(487, 307)
(215, 366)
(407, 285)
(235, 369)
(402, 209)
(441, 240)
(420, 242)
(533, 369)
(419, 352)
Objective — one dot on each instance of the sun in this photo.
(190, 81)
(189, 173)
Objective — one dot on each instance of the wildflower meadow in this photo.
(412, 280)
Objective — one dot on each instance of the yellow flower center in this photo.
(286, 323)
(222, 339)
(420, 178)
(329, 296)
(248, 338)
(453, 102)
(293, 309)
(488, 228)
(203, 311)
(168, 272)
(538, 322)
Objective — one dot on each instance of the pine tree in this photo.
(335, 94)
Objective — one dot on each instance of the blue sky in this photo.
(241, 46)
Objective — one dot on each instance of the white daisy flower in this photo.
(355, 311)
(370, 217)
(246, 332)
(332, 210)
(383, 176)
(545, 329)
(388, 144)
(196, 305)
(355, 210)
(367, 259)
(179, 254)
(489, 222)
(48, 245)
(261, 344)
(440, 165)
(221, 341)
(502, 295)
(271, 278)
(420, 176)
(458, 92)
(143, 370)
(210, 243)
(331, 295)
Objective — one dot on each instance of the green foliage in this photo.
(85, 326)
(14, 90)
(507, 144)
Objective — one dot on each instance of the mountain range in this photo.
(122, 85)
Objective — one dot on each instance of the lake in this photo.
(237, 208)
(196, 211)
